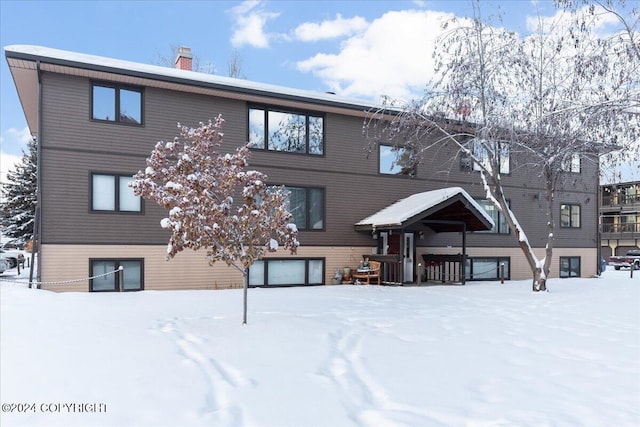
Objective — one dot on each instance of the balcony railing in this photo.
(620, 199)
(629, 230)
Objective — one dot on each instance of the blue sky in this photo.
(361, 49)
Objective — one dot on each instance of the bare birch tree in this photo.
(536, 105)
(197, 186)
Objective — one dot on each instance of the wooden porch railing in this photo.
(391, 268)
(445, 268)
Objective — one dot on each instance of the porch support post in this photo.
(463, 263)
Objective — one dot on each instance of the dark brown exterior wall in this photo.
(353, 187)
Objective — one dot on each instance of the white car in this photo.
(12, 257)
(4, 265)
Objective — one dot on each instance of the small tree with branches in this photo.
(534, 105)
(198, 187)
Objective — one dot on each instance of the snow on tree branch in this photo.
(213, 203)
(544, 105)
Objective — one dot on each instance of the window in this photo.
(569, 216)
(569, 266)
(112, 193)
(108, 279)
(287, 131)
(306, 204)
(487, 268)
(396, 161)
(117, 104)
(287, 272)
(499, 220)
(481, 153)
(571, 164)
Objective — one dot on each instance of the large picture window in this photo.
(286, 131)
(488, 268)
(500, 223)
(395, 161)
(112, 193)
(117, 104)
(287, 272)
(569, 216)
(108, 281)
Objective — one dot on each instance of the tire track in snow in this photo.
(367, 402)
(220, 377)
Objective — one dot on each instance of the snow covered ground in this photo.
(484, 354)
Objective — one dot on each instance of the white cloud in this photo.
(22, 136)
(250, 19)
(330, 29)
(7, 163)
(393, 57)
(11, 145)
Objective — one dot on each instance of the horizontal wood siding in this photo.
(64, 265)
(73, 146)
(187, 270)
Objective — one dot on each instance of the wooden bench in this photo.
(367, 275)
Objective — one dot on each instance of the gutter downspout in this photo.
(599, 216)
(37, 220)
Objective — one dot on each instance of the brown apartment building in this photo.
(97, 119)
(620, 217)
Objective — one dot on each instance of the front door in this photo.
(408, 250)
(390, 242)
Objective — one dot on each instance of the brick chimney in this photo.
(184, 59)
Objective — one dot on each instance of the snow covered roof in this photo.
(439, 206)
(100, 63)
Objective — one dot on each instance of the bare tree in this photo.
(234, 66)
(197, 186)
(537, 105)
(169, 60)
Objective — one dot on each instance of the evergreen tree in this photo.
(18, 201)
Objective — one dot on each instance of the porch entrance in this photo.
(398, 248)
(397, 225)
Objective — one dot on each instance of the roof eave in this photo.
(275, 92)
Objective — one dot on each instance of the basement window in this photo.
(287, 272)
(569, 266)
(106, 278)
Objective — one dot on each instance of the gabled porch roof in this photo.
(442, 210)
